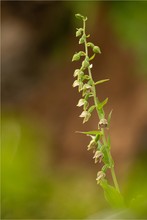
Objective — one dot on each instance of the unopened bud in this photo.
(96, 49)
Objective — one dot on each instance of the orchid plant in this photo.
(99, 142)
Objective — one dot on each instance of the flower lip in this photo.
(103, 123)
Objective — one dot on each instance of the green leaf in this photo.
(90, 132)
(92, 57)
(109, 117)
(101, 81)
(101, 104)
(113, 197)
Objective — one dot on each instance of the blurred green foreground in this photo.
(30, 191)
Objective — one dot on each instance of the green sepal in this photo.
(113, 197)
(101, 81)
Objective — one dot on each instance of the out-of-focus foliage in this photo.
(29, 191)
(38, 39)
(129, 20)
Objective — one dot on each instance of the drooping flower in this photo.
(103, 123)
(92, 145)
(98, 156)
(100, 175)
(86, 115)
(81, 102)
(76, 83)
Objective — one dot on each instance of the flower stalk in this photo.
(100, 143)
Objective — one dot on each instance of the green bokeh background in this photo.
(38, 180)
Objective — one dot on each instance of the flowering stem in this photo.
(96, 101)
(114, 179)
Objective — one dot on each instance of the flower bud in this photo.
(76, 57)
(79, 32)
(96, 49)
(85, 64)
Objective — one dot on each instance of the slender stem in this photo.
(96, 101)
(114, 179)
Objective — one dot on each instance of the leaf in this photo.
(109, 117)
(113, 197)
(92, 57)
(90, 132)
(101, 104)
(101, 81)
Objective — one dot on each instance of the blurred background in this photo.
(46, 170)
